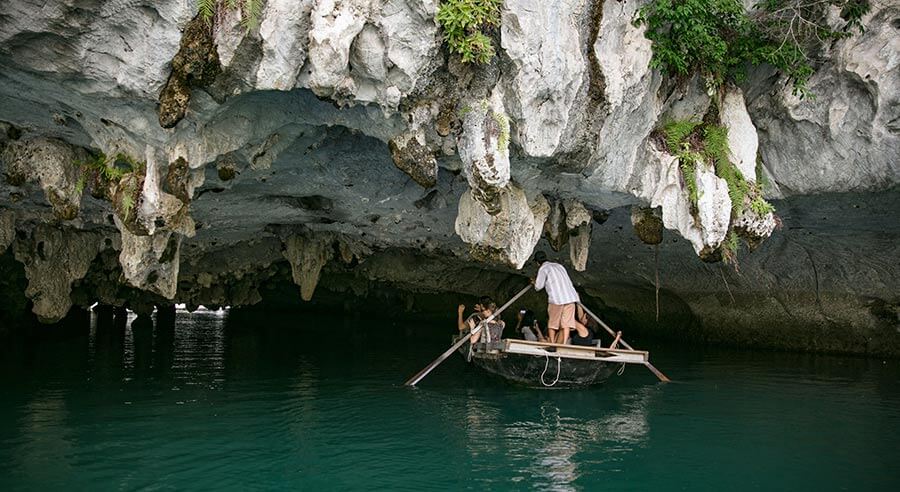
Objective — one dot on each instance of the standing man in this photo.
(561, 298)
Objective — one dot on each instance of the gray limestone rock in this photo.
(54, 258)
(507, 236)
(321, 115)
(307, 256)
(7, 229)
(151, 262)
(50, 163)
(484, 150)
(547, 72)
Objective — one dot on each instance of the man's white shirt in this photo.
(554, 277)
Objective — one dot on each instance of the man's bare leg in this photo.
(561, 336)
(551, 334)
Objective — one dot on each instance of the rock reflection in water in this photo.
(549, 447)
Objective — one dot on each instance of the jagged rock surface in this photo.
(54, 258)
(508, 235)
(318, 119)
(307, 256)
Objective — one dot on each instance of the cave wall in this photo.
(342, 143)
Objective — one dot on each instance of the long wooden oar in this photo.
(424, 372)
(662, 377)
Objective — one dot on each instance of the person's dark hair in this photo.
(528, 318)
(540, 257)
(487, 303)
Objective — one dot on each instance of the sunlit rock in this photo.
(507, 236)
(548, 70)
(629, 94)
(484, 150)
(707, 228)
(284, 30)
(389, 46)
(742, 139)
(578, 221)
(755, 226)
(846, 137)
(151, 262)
(713, 206)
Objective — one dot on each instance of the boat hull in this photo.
(541, 370)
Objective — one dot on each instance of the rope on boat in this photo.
(621, 370)
(547, 364)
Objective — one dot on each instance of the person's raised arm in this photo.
(459, 317)
(541, 278)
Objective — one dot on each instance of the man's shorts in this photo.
(561, 315)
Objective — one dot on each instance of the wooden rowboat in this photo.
(531, 364)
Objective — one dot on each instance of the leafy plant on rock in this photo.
(718, 38)
(464, 23)
(212, 10)
(694, 143)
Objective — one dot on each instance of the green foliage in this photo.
(503, 138)
(250, 10)
(678, 136)
(760, 206)
(688, 161)
(694, 143)
(102, 170)
(127, 204)
(730, 247)
(761, 176)
(717, 38)
(677, 132)
(464, 23)
(79, 185)
(715, 139)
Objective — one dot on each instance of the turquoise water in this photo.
(242, 402)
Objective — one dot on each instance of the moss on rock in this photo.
(648, 225)
(195, 65)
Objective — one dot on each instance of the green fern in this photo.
(677, 132)
(79, 185)
(127, 204)
(206, 9)
(503, 138)
(760, 206)
(729, 248)
(250, 14)
(688, 162)
(250, 10)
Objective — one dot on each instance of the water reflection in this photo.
(46, 439)
(250, 403)
(549, 447)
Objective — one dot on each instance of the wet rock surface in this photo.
(338, 148)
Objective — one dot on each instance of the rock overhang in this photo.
(315, 140)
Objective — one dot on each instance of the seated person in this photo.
(484, 308)
(528, 326)
(585, 327)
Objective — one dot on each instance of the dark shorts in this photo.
(579, 340)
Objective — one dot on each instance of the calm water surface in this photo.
(247, 402)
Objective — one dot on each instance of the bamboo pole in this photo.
(441, 358)
(662, 377)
